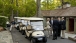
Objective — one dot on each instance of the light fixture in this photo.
(66, 5)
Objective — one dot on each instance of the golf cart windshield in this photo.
(18, 20)
(37, 25)
(24, 22)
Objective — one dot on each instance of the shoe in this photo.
(62, 38)
(10, 31)
(50, 35)
(58, 36)
(53, 39)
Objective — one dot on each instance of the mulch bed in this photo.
(2, 29)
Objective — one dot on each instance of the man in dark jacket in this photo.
(51, 21)
(55, 28)
(63, 28)
(12, 22)
(59, 27)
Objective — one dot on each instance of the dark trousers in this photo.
(59, 32)
(55, 32)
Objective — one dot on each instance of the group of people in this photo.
(57, 27)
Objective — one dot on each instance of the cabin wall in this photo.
(67, 24)
(75, 25)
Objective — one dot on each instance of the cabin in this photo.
(69, 14)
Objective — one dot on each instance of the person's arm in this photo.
(65, 24)
(53, 23)
(50, 22)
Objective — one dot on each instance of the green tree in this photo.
(17, 7)
(28, 8)
(72, 2)
(50, 4)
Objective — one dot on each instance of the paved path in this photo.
(5, 37)
(18, 37)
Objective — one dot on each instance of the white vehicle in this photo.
(21, 24)
(34, 30)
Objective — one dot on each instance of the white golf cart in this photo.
(34, 30)
(20, 24)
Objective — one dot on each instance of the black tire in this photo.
(19, 31)
(33, 41)
(26, 36)
(45, 39)
(17, 28)
(23, 32)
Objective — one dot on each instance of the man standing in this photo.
(59, 27)
(12, 24)
(63, 28)
(55, 28)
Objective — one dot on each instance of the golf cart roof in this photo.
(29, 18)
(17, 17)
(32, 18)
(20, 17)
(4, 16)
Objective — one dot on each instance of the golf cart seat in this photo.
(16, 25)
(29, 29)
(23, 28)
(20, 24)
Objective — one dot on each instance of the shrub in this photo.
(3, 21)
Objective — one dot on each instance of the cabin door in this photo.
(71, 24)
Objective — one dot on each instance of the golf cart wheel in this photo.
(44, 39)
(26, 36)
(17, 28)
(19, 31)
(23, 32)
(33, 41)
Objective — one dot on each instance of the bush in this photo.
(3, 22)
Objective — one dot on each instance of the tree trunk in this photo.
(17, 7)
(47, 4)
(62, 1)
(38, 8)
(11, 12)
(3, 8)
